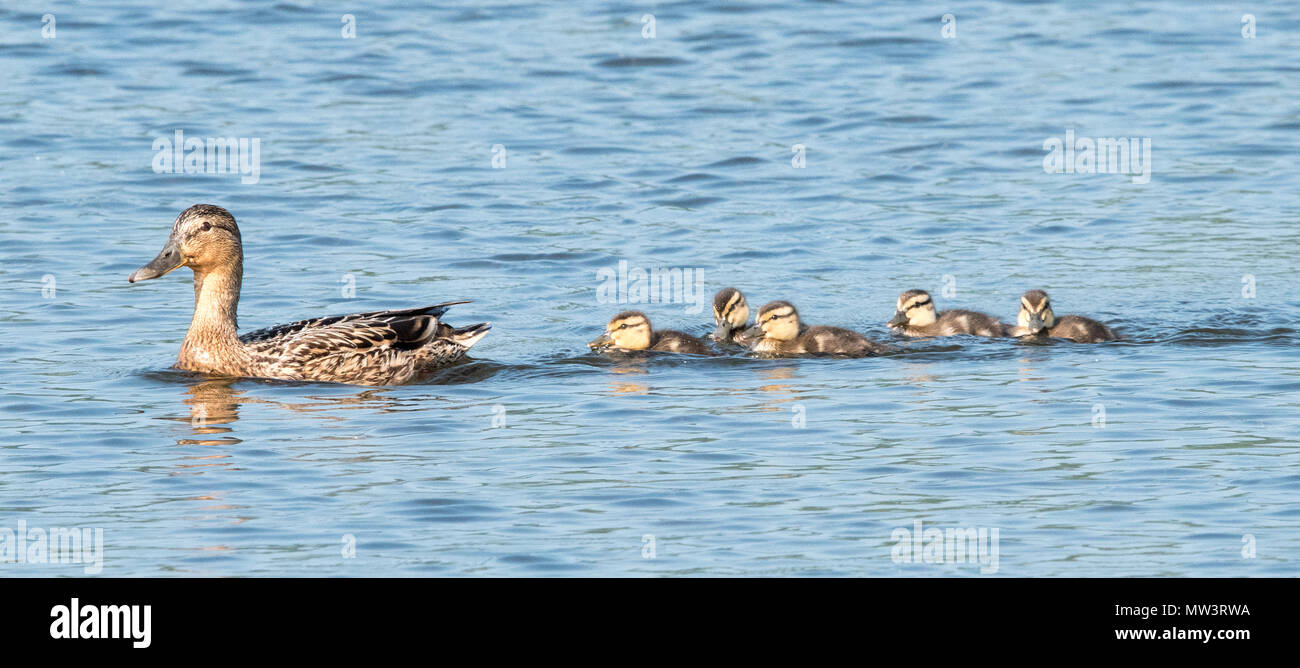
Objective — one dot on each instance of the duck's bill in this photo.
(722, 333)
(1036, 325)
(602, 341)
(169, 259)
(900, 319)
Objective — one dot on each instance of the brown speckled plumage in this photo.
(780, 333)
(916, 315)
(1082, 330)
(673, 341)
(959, 321)
(1036, 319)
(631, 331)
(374, 348)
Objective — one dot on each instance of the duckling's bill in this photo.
(752, 334)
(1036, 324)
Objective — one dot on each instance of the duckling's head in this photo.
(1036, 312)
(914, 309)
(629, 330)
(730, 313)
(776, 320)
(204, 238)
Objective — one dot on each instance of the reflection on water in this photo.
(1030, 370)
(918, 373)
(212, 405)
(776, 394)
(627, 366)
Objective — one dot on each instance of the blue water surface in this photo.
(832, 154)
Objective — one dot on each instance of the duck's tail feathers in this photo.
(468, 336)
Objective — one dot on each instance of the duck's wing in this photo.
(375, 348)
(404, 328)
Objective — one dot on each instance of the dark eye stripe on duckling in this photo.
(777, 309)
(734, 300)
(626, 320)
(920, 303)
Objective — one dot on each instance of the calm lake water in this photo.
(1173, 452)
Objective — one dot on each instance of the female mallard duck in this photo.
(1036, 319)
(779, 332)
(730, 314)
(630, 330)
(375, 348)
(915, 316)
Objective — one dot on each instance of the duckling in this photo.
(1036, 319)
(915, 316)
(779, 332)
(730, 314)
(375, 348)
(630, 330)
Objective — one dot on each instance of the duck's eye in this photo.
(206, 226)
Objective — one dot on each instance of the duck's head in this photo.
(914, 309)
(1036, 315)
(730, 313)
(776, 320)
(204, 238)
(629, 330)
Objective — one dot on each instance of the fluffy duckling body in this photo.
(374, 348)
(1037, 319)
(631, 331)
(779, 332)
(915, 315)
(730, 315)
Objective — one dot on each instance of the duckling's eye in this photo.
(623, 326)
(206, 226)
